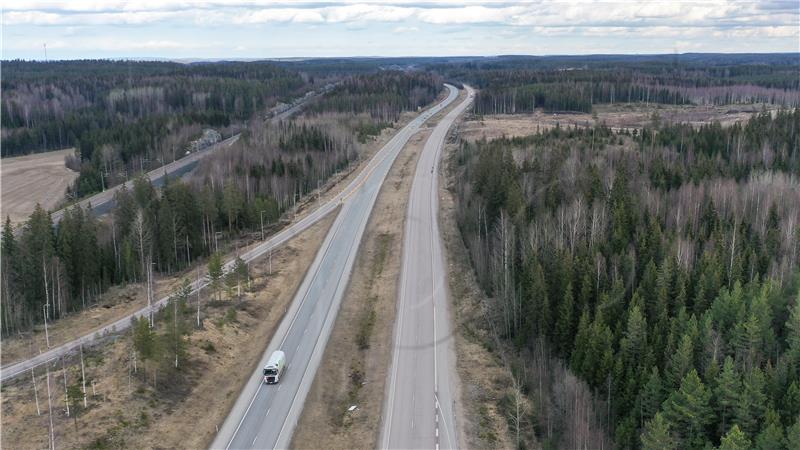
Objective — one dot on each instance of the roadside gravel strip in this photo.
(264, 416)
(275, 241)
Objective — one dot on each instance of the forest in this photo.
(513, 85)
(153, 232)
(659, 266)
(128, 116)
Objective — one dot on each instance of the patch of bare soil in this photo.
(27, 180)
(482, 422)
(124, 410)
(624, 116)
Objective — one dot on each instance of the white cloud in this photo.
(405, 30)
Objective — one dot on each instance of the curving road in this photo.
(419, 405)
(12, 370)
(264, 416)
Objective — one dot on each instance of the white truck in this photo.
(274, 367)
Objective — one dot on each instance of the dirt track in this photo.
(26, 180)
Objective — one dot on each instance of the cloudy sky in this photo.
(271, 29)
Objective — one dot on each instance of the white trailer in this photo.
(274, 368)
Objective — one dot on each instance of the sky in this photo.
(176, 29)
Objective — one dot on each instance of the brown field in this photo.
(614, 116)
(26, 180)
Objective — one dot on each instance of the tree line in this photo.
(513, 85)
(383, 95)
(661, 266)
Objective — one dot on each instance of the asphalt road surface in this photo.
(419, 409)
(264, 416)
(12, 370)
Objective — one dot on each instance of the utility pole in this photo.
(83, 378)
(46, 333)
(198, 297)
(262, 224)
(35, 393)
(50, 412)
(150, 293)
(66, 396)
(175, 324)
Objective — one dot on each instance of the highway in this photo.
(264, 416)
(419, 405)
(14, 369)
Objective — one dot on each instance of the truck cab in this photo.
(274, 368)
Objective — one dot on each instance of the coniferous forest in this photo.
(660, 266)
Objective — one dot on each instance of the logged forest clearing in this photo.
(41, 178)
(621, 116)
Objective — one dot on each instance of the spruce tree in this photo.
(735, 440)
(752, 404)
(726, 393)
(564, 326)
(688, 409)
(657, 434)
(771, 435)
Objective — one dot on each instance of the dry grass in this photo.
(222, 355)
(615, 116)
(26, 180)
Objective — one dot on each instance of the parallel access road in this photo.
(418, 410)
(265, 416)
(12, 370)
(102, 202)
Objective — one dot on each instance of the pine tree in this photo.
(657, 434)
(688, 409)
(735, 440)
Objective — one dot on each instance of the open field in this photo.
(125, 411)
(26, 180)
(614, 116)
